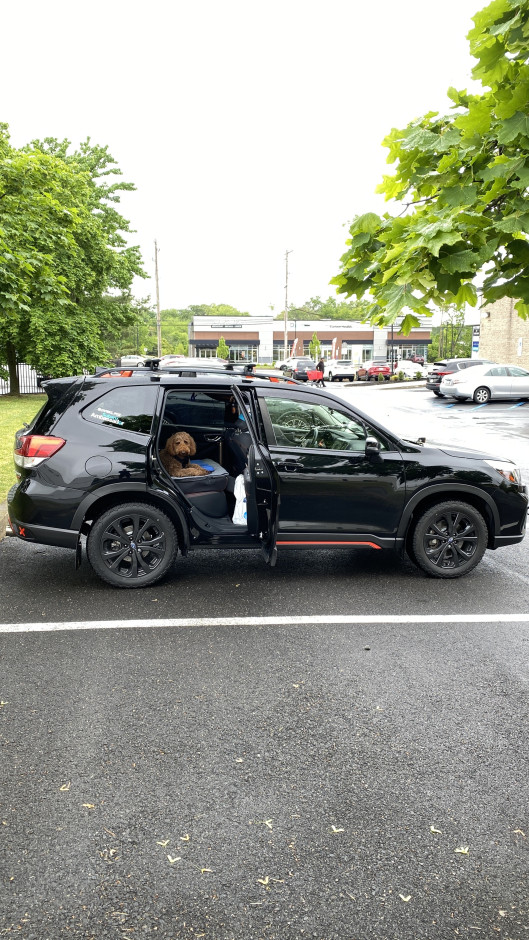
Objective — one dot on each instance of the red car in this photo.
(371, 370)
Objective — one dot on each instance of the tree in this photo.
(223, 351)
(463, 179)
(315, 347)
(330, 309)
(65, 267)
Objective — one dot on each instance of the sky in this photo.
(248, 128)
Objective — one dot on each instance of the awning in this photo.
(233, 343)
(407, 342)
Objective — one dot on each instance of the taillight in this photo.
(34, 448)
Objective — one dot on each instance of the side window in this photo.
(316, 426)
(520, 373)
(497, 370)
(130, 407)
(192, 408)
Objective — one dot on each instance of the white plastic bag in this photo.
(239, 513)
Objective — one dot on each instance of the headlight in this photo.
(507, 469)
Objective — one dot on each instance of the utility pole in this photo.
(158, 319)
(285, 351)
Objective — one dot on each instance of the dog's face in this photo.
(181, 445)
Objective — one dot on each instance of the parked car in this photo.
(297, 368)
(410, 368)
(481, 383)
(290, 362)
(132, 360)
(336, 370)
(444, 367)
(371, 370)
(316, 473)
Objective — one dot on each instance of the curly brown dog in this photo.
(176, 453)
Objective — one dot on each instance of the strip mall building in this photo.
(262, 339)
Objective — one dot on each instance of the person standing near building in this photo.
(320, 367)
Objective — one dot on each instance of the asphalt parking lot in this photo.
(334, 749)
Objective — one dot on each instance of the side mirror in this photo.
(372, 447)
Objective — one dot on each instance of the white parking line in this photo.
(327, 619)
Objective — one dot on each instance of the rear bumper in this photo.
(44, 535)
(19, 509)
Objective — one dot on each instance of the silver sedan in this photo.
(481, 383)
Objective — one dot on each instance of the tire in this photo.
(449, 539)
(482, 395)
(330, 377)
(439, 394)
(135, 562)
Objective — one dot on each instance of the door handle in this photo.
(289, 463)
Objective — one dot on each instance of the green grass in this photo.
(13, 413)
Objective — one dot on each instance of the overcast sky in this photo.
(248, 128)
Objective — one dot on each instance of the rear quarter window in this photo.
(129, 408)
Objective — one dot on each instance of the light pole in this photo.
(158, 318)
(285, 328)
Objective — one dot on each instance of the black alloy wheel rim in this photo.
(450, 540)
(133, 545)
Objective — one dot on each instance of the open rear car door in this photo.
(261, 482)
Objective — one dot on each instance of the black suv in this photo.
(313, 471)
(445, 367)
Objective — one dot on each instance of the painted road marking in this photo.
(260, 622)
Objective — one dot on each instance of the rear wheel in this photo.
(482, 395)
(439, 394)
(449, 539)
(132, 545)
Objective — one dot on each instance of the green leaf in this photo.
(477, 119)
(368, 223)
(516, 126)
(467, 294)
(459, 195)
(517, 222)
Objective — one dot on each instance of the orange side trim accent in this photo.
(345, 544)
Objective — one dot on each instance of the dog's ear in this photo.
(171, 444)
(192, 446)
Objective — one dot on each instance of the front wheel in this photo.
(449, 539)
(482, 395)
(132, 545)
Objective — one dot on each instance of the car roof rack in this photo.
(225, 370)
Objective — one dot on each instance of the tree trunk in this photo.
(14, 386)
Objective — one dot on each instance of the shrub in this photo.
(380, 377)
(401, 376)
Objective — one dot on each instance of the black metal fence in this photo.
(29, 380)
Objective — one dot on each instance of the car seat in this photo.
(207, 493)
